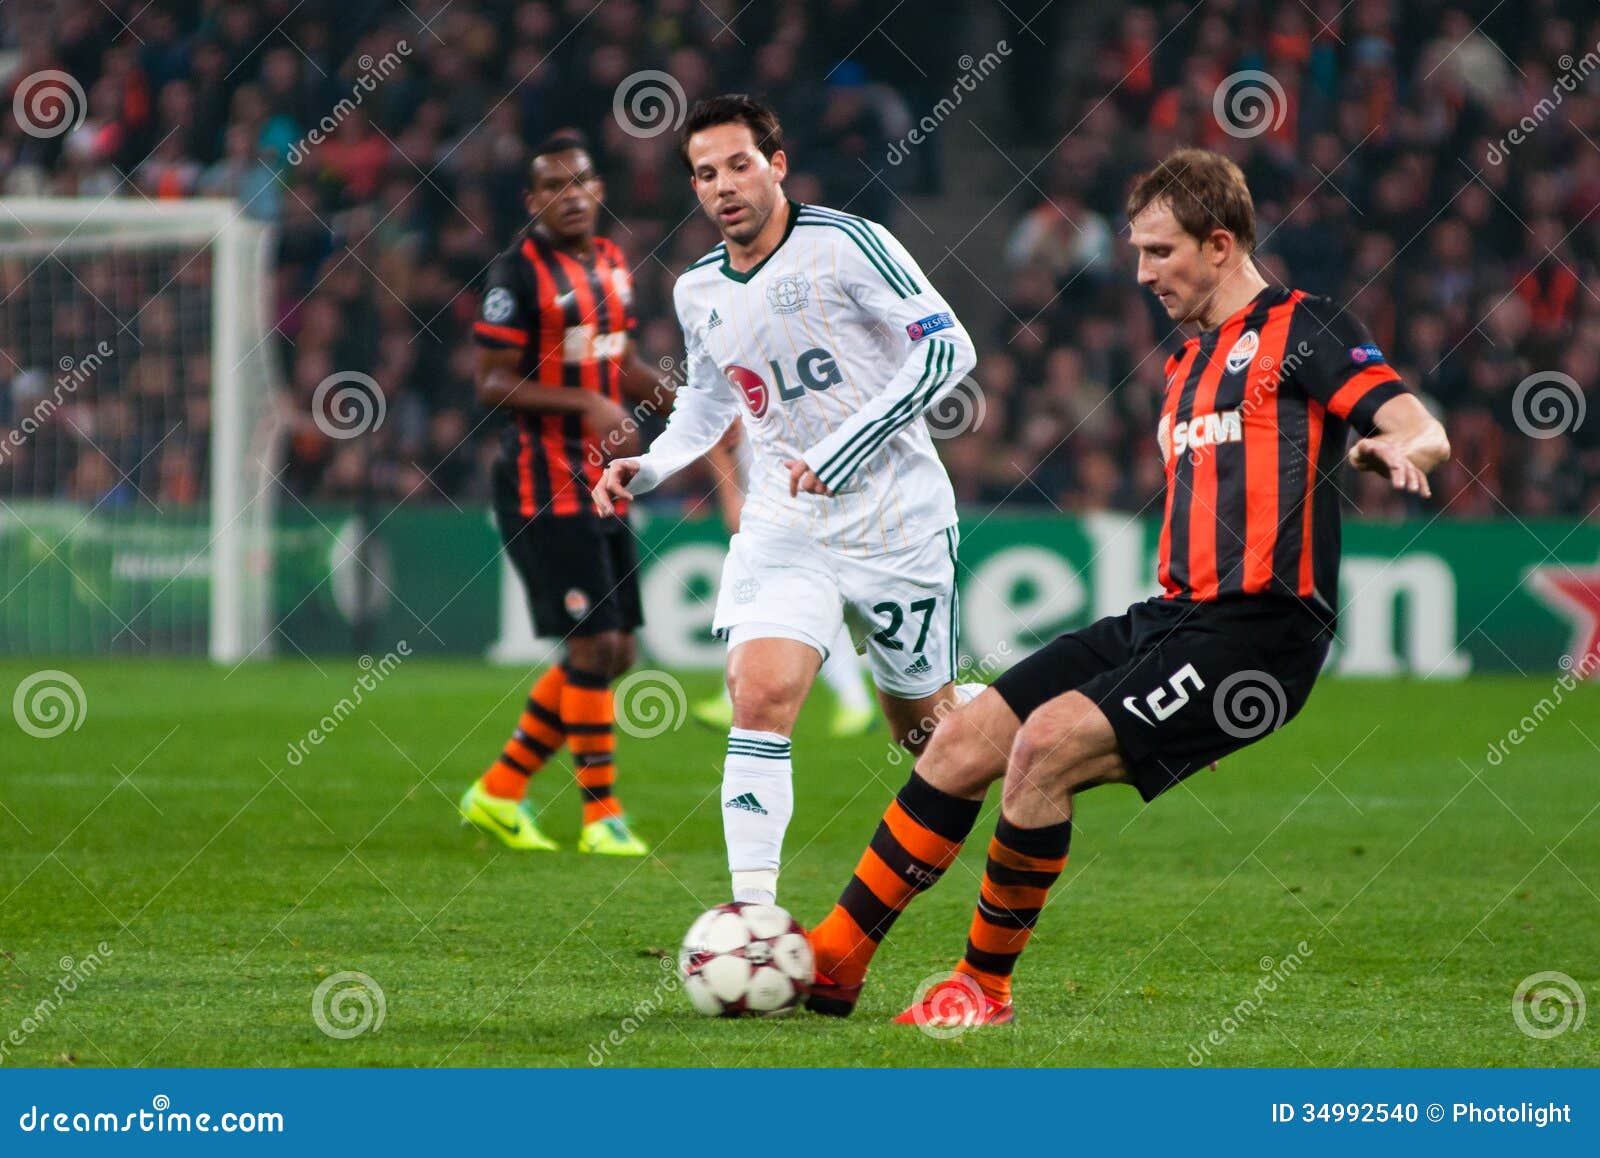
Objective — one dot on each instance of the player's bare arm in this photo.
(500, 382)
(1410, 444)
(725, 477)
(642, 384)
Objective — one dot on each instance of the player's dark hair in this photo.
(732, 109)
(559, 141)
(1205, 192)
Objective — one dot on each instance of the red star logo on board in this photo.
(1574, 592)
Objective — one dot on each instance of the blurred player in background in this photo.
(1258, 408)
(819, 332)
(841, 671)
(554, 351)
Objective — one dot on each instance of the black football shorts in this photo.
(580, 573)
(1183, 684)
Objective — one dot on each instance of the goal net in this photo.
(139, 407)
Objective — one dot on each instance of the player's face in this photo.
(1181, 270)
(564, 195)
(738, 187)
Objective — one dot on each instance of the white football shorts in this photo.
(901, 607)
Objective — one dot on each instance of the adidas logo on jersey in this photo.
(920, 666)
(746, 803)
(714, 320)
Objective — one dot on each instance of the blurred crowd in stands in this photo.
(1432, 168)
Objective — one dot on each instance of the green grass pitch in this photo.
(228, 883)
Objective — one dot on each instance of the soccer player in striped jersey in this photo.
(555, 353)
(817, 330)
(1259, 406)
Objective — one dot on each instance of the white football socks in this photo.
(757, 802)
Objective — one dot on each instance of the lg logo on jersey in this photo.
(1161, 706)
(814, 369)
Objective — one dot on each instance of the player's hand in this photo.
(614, 485)
(612, 425)
(1386, 458)
(803, 478)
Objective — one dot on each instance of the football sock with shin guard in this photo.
(919, 836)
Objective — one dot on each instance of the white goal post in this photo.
(151, 508)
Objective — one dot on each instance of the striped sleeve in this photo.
(1339, 364)
(701, 413)
(930, 370)
(505, 320)
(889, 291)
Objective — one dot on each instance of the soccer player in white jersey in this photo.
(817, 330)
(853, 714)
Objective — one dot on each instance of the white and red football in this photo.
(741, 959)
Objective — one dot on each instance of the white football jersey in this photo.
(829, 350)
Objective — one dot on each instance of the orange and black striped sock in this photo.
(539, 734)
(1023, 864)
(588, 712)
(917, 839)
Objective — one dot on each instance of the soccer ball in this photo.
(742, 959)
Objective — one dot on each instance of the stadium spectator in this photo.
(1397, 173)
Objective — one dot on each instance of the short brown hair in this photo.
(731, 109)
(1205, 192)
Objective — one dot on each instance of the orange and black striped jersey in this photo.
(1252, 433)
(570, 317)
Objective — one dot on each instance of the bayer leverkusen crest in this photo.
(789, 294)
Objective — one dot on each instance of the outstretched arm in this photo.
(1409, 444)
(702, 412)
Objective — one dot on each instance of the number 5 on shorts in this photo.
(897, 616)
